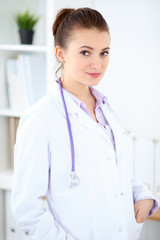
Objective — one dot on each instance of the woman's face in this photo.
(86, 57)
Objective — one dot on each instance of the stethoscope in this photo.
(73, 179)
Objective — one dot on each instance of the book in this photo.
(26, 80)
(22, 82)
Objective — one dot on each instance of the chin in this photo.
(95, 82)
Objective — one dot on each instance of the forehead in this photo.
(89, 37)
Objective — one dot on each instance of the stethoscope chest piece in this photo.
(73, 180)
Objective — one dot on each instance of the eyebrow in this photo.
(93, 48)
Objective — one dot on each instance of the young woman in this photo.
(69, 148)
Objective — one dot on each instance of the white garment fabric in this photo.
(101, 206)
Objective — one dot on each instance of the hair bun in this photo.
(60, 18)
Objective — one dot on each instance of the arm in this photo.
(31, 174)
(145, 202)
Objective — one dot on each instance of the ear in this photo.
(59, 53)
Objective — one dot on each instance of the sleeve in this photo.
(141, 192)
(31, 176)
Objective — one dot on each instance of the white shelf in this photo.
(9, 113)
(6, 179)
(23, 48)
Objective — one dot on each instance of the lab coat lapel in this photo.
(89, 123)
(73, 109)
(83, 119)
(116, 127)
(71, 105)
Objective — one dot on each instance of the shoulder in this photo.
(43, 111)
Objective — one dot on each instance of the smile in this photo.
(94, 75)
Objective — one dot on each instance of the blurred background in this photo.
(131, 83)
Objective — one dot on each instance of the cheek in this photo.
(105, 64)
(78, 64)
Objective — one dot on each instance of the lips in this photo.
(94, 75)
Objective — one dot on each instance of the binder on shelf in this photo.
(14, 122)
(35, 72)
(26, 81)
(22, 82)
(12, 84)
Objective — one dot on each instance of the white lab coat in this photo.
(101, 206)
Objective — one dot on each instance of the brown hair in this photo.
(68, 19)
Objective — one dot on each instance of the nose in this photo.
(95, 63)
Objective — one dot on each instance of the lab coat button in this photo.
(122, 194)
(121, 230)
(109, 158)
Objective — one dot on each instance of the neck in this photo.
(78, 89)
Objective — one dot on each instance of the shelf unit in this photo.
(10, 47)
(9, 113)
(6, 179)
(23, 48)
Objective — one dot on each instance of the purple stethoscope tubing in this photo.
(73, 179)
(68, 126)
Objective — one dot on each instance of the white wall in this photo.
(132, 81)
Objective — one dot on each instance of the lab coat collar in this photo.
(71, 105)
(100, 98)
(54, 92)
(83, 118)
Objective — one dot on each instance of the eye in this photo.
(105, 53)
(85, 53)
